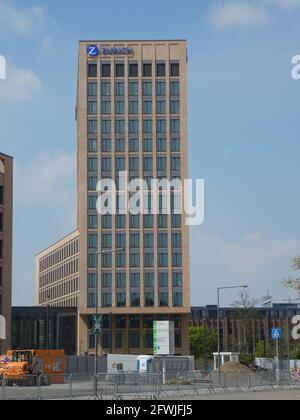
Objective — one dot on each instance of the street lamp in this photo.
(218, 309)
(106, 251)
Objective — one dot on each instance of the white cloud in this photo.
(260, 262)
(21, 85)
(45, 180)
(225, 14)
(24, 23)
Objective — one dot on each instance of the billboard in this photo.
(163, 338)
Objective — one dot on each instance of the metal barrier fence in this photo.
(134, 386)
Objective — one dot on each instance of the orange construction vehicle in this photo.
(26, 366)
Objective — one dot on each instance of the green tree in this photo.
(295, 352)
(198, 343)
(293, 282)
(264, 349)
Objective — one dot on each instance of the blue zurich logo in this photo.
(93, 50)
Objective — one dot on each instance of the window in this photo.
(175, 163)
(91, 300)
(105, 88)
(120, 145)
(177, 299)
(92, 240)
(106, 260)
(176, 221)
(149, 280)
(175, 126)
(177, 279)
(133, 70)
(147, 126)
(93, 222)
(120, 164)
(106, 221)
(92, 146)
(91, 280)
(92, 89)
(106, 300)
(147, 88)
(120, 126)
(163, 259)
(147, 146)
(134, 340)
(148, 240)
(134, 221)
(92, 107)
(120, 221)
(133, 107)
(133, 126)
(93, 127)
(161, 164)
(106, 126)
(175, 88)
(105, 70)
(133, 145)
(92, 261)
(106, 107)
(92, 183)
(163, 240)
(149, 299)
(106, 164)
(175, 107)
(120, 70)
(162, 221)
(148, 259)
(106, 280)
(134, 164)
(92, 164)
(163, 280)
(135, 280)
(106, 241)
(120, 240)
(134, 259)
(161, 89)
(134, 240)
(148, 222)
(175, 145)
(174, 69)
(161, 70)
(121, 280)
(161, 126)
(148, 164)
(92, 70)
(133, 89)
(161, 107)
(92, 200)
(135, 300)
(106, 145)
(176, 240)
(147, 70)
(177, 259)
(147, 107)
(120, 107)
(163, 299)
(120, 89)
(161, 145)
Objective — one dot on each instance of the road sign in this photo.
(97, 324)
(276, 334)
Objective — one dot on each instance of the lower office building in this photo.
(6, 210)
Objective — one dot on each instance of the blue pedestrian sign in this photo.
(276, 334)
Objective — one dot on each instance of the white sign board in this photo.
(2, 328)
(163, 338)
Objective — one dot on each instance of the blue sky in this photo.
(243, 127)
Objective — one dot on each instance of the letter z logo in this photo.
(93, 50)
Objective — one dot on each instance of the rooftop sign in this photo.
(94, 51)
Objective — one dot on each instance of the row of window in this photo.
(56, 257)
(58, 273)
(135, 279)
(134, 240)
(133, 70)
(133, 88)
(134, 221)
(135, 260)
(147, 107)
(59, 291)
(133, 126)
(134, 164)
(134, 145)
(135, 301)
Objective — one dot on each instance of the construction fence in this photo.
(133, 386)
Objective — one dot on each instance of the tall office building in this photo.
(6, 210)
(132, 117)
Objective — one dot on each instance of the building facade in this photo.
(6, 223)
(132, 117)
(241, 329)
(57, 273)
(40, 328)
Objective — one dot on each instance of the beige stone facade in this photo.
(6, 214)
(57, 273)
(126, 84)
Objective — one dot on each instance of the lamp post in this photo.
(218, 310)
(106, 251)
